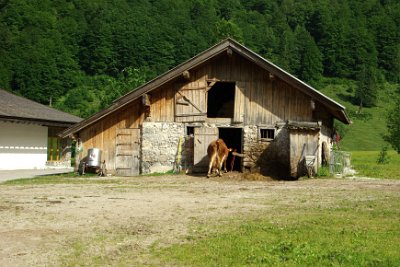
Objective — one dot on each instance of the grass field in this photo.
(365, 163)
(351, 233)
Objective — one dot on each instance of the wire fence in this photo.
(340, 163)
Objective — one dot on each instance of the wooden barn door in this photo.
(127, 152)
(202, 138)
(190, 102)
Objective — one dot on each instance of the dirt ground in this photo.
(39, 224)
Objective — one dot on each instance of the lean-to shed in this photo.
(268, 115)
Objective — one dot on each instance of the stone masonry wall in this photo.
(268, 157)
(160, 141)
(252, 148)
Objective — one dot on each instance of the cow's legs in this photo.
(210, 166)
(225, 164)
(220, 165)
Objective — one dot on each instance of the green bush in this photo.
(323, 171)
(383, 157)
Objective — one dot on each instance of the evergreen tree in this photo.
(388, 46)
(228, 28)
(261, 39)
(96, 54)
(5, 70)
(309, 60)
(393, 125)
(366, 91)
(286, 58)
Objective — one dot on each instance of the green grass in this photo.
(101, 250)
(365, 163)
(170, 172)
(367, 130)
(353, 233)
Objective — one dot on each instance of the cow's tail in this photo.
(218, 143)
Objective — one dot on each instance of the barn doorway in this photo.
(233, 139)
(220, 100)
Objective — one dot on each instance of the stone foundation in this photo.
(252, 148)
(267, 157)
(160, 141)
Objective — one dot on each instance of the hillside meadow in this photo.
(368, 126)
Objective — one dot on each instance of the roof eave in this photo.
(37, 121)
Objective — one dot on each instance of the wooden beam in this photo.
(211, 83)
(190, 114)
(271, 76)
(181, 102)
(238, 154)
(186, 75)
(146, 100)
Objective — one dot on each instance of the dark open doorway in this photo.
(233, 139)
(221, 99)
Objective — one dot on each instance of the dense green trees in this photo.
(393, 125)
(366, 91)
(75, 52)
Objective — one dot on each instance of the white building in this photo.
(28, 134)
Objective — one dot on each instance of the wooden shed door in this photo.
(202, 138)
(127, 152)
(302, 143)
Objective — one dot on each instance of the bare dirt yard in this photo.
(61, 224)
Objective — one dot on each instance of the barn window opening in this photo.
(220, 100)
(267, 134)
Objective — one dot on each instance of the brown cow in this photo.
(218, 153)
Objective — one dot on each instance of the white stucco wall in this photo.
(22, 146)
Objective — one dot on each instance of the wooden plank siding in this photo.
(258, 99)
(163, 103)
(102, 134)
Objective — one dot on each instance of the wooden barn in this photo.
(269, 116)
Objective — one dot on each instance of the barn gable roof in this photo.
(337, 110)
(20, 109)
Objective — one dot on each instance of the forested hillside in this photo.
(80, 55)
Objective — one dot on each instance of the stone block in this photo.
(158, 168)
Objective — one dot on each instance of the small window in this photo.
(267, 134)
(190, 130)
